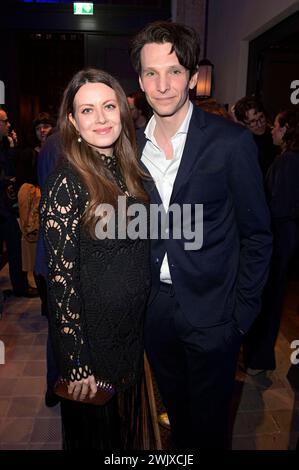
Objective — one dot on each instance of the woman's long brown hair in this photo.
(289, 118)
(85, 159)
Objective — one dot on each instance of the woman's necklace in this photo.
(110, 163)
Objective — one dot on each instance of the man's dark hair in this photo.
(184, 40)
(245, 104)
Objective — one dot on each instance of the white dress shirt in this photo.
(164, 171)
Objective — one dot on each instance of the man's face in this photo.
(256, 121)
(4, 124)
(165, 81)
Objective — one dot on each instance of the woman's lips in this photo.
(103, 131)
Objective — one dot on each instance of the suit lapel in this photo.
(194, 145)
(149, 185)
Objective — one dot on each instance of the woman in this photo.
(28, 201)
(97, 287)
(283, 183)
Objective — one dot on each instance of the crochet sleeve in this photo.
(60, 215)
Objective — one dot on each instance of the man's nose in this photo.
(163, 83)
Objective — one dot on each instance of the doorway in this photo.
(274, 64)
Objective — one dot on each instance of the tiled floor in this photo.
(266, 409)
(25, 422)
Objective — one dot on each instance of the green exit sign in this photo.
(83, 8)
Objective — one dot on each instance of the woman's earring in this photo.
(79, 139)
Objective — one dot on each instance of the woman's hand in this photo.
(80, 389)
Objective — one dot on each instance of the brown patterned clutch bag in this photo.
(104, 393)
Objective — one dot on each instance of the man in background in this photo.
(250, 112)
(10, 231)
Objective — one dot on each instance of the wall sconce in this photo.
(204, 81)
(205, 67)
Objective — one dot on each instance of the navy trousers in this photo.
(195, 370)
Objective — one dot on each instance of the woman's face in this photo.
(278, 133)
(97, 116)
(42, 130)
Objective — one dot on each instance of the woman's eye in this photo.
(86, 110)
(110, 106)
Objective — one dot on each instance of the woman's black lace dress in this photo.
(97, 295)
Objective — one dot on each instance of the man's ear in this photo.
(193, 80)
(73, 121)
(140, 84)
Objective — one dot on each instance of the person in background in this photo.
(211, 106)
(250, 112)
(28, 198)
(48, 157)
(140, 110)
(97, 287)
(205, 297)
(10, 231)
(283, 184)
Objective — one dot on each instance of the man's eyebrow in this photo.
(152, 67)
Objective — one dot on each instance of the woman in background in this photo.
(28, 202)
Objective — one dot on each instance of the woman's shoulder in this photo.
(290, 158)
(292, 154)
(65, 172)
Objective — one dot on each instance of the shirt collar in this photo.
(183, 129)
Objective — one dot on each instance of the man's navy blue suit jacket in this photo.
(222, 281)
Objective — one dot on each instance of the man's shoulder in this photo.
(215, 123)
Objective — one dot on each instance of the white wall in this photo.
(232, 24)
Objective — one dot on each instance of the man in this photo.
(250, 112)
(9, 228)
(205, 298)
